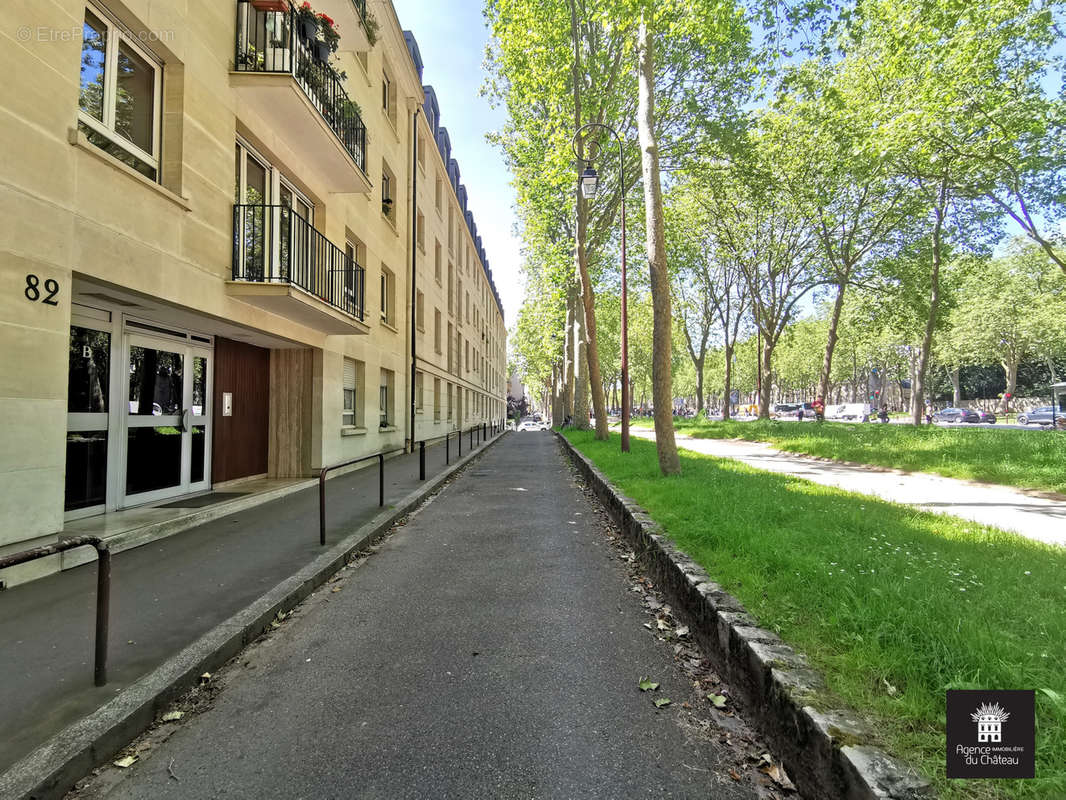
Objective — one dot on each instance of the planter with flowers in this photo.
(271, 5)
(329, 39)
(307, 22)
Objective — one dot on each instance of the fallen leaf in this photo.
(777, 775)
(682, 631)
(126, 761)
(718, 700)
(734, 774)
(336, 589)
(892, 690)
(663, 625)
(173, 716)
(662, 702)
(648, 625)
(646, 684)
(205, 677)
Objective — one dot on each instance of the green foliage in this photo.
(894, 606)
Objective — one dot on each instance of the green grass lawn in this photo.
(1030, 459)
(893, 605)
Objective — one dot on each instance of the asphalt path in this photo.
(490, 648)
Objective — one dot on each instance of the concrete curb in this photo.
(826, 751)
(51, 770)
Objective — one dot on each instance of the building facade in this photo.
(229, 251)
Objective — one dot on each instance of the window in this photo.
(419, 382)
(386, 93)
(420, 231)
(388, 202)
(352, 411)
(437, 261)
(459, 297)
(436, 330)
(438, 194)
(120, 100)
(421, 151)
(386, 392)
(450, 397)
(353, 284)
(436, 399)
(451, 353)
(451, 229)
(451, 289)
(388, 298)
(420, 310)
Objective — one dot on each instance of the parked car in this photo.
(529, 424)
(985, 416)
(956, 415)
(1037, 416)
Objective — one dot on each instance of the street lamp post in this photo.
(589, 181)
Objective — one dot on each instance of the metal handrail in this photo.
(103, 589)
(322, 485)
(269, 41)
(275, 244)
(480, 428)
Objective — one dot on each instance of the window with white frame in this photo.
(436, 330)
(388, 296)
(437, 261)
(436, 399)
(420, 310)
(419, 386)
(352, 411)
(386, 392)
(120, 102)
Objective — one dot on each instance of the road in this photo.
(491, 647)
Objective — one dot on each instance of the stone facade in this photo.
(179, 176)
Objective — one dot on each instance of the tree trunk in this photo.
(581, 372)
(568, 358)
(588, 300)
(699, 385)
(728, 393)
(918, 387)
(767, 379)
(662, 383)
(956, 387)
(581, 378)
(1010, 372)
(831, 343)
(557, 396)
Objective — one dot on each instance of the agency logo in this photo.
(991, 734)
(990, 718)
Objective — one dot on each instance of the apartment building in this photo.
(234, 246)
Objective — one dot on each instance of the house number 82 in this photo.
(33, 290)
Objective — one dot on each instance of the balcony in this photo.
(281, 263)
(349, 16)
(279, 77)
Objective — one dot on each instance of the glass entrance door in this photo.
(167, 409)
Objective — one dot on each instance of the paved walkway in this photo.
(1000, 506)
(491, 648)
(164, 596)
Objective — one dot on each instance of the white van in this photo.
(849, 412)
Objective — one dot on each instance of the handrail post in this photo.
(103, 612)
(459, 439)
(381, 480)
(322, 506)
(447, 449)
(422, 461)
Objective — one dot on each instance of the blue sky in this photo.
(452, 43)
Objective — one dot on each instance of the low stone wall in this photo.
(826, 751)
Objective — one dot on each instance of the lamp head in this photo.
(589, 182)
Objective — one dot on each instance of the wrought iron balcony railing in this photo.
(274, 244)
(272, 42)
